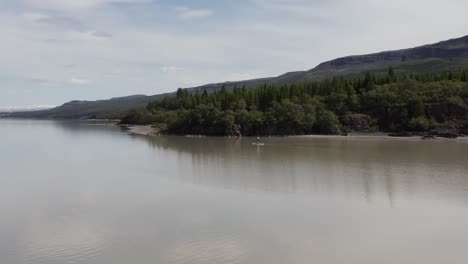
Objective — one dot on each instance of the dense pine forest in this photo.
(388, 102)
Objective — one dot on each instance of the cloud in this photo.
(236, 76)
(152, 43)
(187, 13)
(113, 73)
(74, 4)
(171, 69)
(51, 40)
(38, 80)
(101, 34)
(33, 16)
(66, 23)
(79, 81)
(69, 66)
(44, 82)
(63, 22)
(25, 108)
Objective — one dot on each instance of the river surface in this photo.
(89, 193)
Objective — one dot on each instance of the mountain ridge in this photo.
(448, 55)
(401, 59)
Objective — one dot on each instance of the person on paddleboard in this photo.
(258, 140)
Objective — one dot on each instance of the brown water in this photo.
(87, 193)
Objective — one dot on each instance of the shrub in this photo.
(327, 123)
(419, 124)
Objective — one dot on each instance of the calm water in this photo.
(87, 193)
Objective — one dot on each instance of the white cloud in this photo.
(25, 108)
(79, 81)
(187, 13)
(171, 69)
(43, 82)
(258, 38)
(48, 84)
(73, 4)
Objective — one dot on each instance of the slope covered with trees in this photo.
(372, 103)
(445, 56)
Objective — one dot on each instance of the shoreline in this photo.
(145, 130)
(148, 130)
(382, 136)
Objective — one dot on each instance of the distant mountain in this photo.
(101, 109)
(450, 55)
(24, 108)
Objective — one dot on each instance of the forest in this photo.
(387, 102)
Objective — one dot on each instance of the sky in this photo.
(54, 51)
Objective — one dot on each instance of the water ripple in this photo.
(73, 244)
(215, 249)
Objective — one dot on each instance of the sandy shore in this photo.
(142, 130)
(151, 131)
